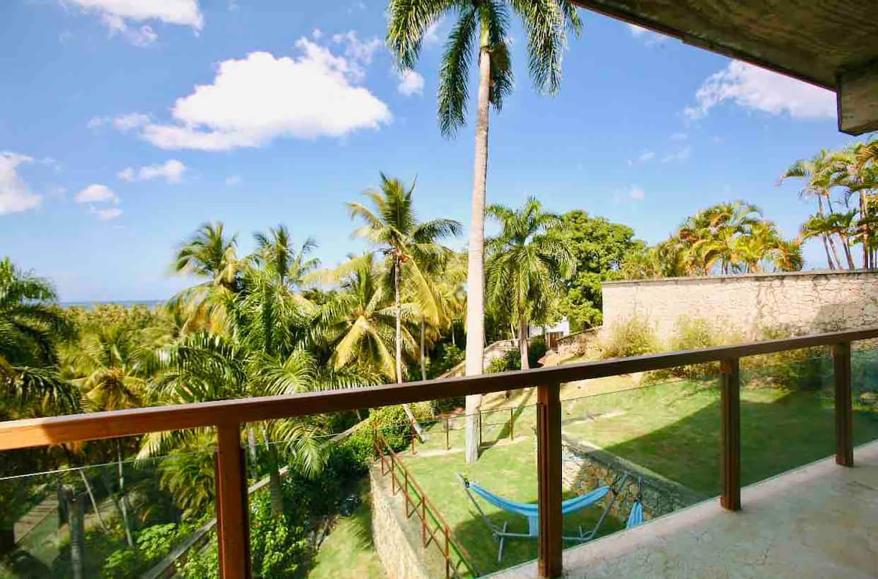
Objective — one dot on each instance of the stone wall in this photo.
(402, 558)
(801, 302)
(587, 467)
(572, 346)
(492, 352)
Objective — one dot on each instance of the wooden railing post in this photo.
(730, 422)
(233, 527)
(844, 412)
(549, 479)
(511, 424)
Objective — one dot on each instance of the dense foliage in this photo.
(274, 322)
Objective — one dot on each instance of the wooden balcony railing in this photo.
(227, 417)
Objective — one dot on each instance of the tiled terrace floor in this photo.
(820, 521)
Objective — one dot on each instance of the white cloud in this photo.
(107, 214)
(679, 155)
(359, 53)
(15, 195)
(233, 180)
(431, 34)
(679, 136)
(171, 171)
(127, 17)
(410, 82)
(123, 123)
(262, 97)
(644, 157)
(636, 193)
(96, 193)
(647, 36)
(756, 88)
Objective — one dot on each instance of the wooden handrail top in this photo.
(34, 432)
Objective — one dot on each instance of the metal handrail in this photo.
(422, 501)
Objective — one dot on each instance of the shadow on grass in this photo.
(776, 436)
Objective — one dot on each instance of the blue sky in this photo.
(124, 125)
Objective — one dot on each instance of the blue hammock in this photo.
(531, 511)
(635, 517)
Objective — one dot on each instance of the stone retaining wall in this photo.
(402, 558)
(587, 467)
(800, 302)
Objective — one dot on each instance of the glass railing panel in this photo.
(435, 467)
(864, 390)
(644, 443)
(787, 412)
(95, 515)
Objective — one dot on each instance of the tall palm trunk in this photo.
(423, 353)
(94, 503)
(475, 303)
(864, 214)
(824, 237)
(848, 255)
(76, 524)
(397, 303)
(123, 500)
(522, 343)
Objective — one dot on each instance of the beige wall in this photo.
(803, 301)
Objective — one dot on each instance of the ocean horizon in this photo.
(126, 303)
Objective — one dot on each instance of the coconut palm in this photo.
(262, 354)
(481, 28)
(856, 169)
(107, 358)
(276, 252)
(526, 268)
(360, 319)
(411, 252)
(410, 247)
(210, 254)
(817, 174)
(31, 327)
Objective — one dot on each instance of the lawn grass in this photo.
(348, 551)
(671, 428)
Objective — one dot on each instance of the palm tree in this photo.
(360, 320)
(410, 247)
(208, 254)
(262, 354)
(526, 268)
(275, 251)
(107, 359)
(31, 327)
(817, 174)
(856, 168)
(481, 26)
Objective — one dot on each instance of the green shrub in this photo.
(697, 334)
(123, 563)
(633, 337)
(278, 546)
(394, 425)
(803, 368)
(447, 358)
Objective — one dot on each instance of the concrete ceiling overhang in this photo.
(829, 43)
